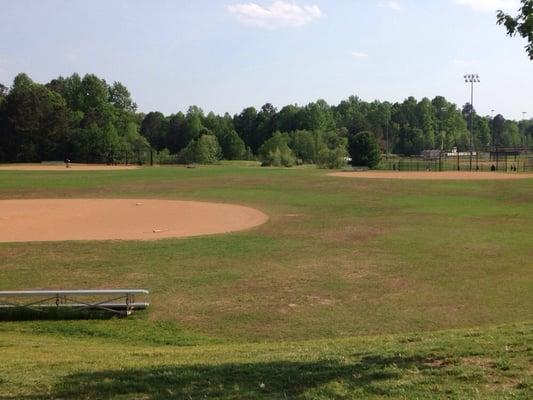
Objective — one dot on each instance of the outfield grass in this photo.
(339, 258)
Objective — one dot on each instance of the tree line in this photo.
(85, 119)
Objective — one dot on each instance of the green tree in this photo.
(232, 146)
(176, 139)
(498, 131)
(70, 89)
(265, 123)
(78, 118)
(154, 128)
(411, 140)
(120, 97)
(522, 24)
(364, 150)
(94, 96)
(443, 111)
(209, 151)
(426, 122)
(35, 122)
(3, 146)
(3, 91)
(317, 116)
(305, 145)
(481, 132)
(351, 114)
(193, 124)
(246, 125)
(288, 119)
(511, 134)
(204, 150)
(526, 132)
(333, 151)
(136, 146)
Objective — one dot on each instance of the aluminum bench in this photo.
(119, 301)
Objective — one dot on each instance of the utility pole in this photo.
(472, 78)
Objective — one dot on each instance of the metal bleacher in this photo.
(119, 301)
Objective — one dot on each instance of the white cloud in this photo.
(460, 61)
(277, 14)
(490, 5)
(359, 54)
(393, 5)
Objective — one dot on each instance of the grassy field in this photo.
(301, 307)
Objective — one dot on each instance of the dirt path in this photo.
(61, 167)
(105, 219)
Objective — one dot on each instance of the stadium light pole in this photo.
(471, 78)
(439, 132)
(492, 127)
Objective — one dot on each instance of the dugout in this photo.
(506, 158)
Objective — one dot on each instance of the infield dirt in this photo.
(62, 167)
(128, 219)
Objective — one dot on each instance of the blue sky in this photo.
(224, 55)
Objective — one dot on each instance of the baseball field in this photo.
(270, 283)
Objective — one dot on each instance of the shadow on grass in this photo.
(374, 375)
(22, 314)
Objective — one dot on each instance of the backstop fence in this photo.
(502, 162)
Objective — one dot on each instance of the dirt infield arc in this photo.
(111, 219)
(62, 167)
(444, 176)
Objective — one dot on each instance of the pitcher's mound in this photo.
(427, 175)
(106, 219)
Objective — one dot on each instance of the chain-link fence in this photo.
(461, 162)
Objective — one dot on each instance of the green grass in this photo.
(361, 257)
(493, 363)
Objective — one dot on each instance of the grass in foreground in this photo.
(491, 363)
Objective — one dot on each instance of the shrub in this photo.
(204, 150)
(364, 150)
(276, 152)
(332, 158)
(164, 157)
